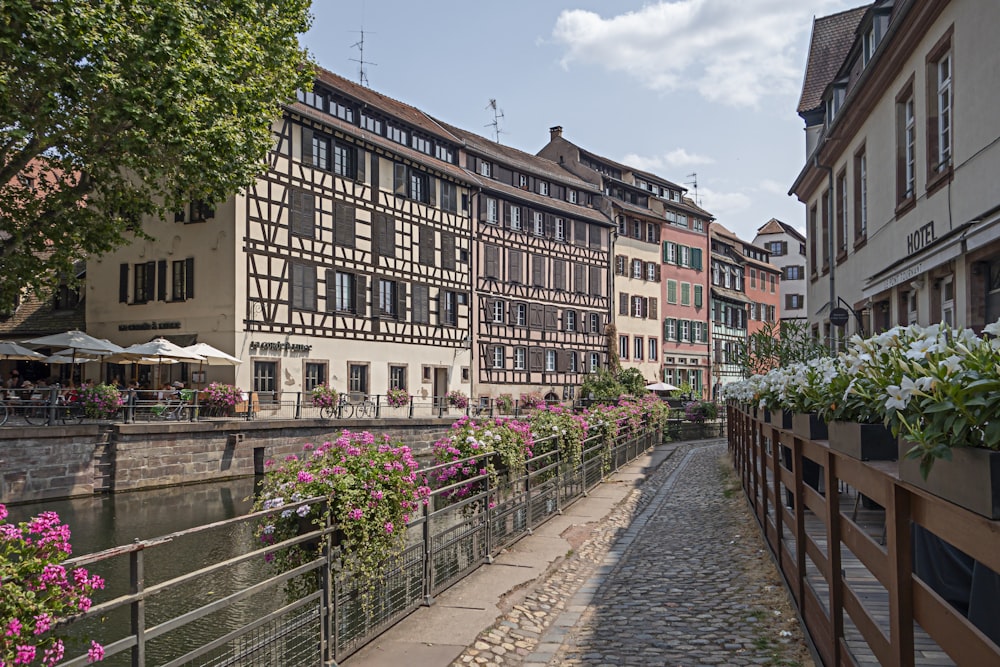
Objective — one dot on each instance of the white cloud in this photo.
(723, 205)
(734, 52)
(678, 157)
(773, 187)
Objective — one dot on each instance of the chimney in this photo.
(555, 132)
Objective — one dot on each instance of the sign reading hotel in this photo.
(917, 240)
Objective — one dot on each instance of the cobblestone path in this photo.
(676, 575)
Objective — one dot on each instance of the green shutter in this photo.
(671, 291)
(697, 296)
(665, 243)
(696, 258)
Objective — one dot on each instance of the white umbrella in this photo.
(161, 348)
(13, 351)
(75, 340)
(661, 386)
(63, 359)
(213, 356)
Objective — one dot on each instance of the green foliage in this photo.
(633, 381)
(115, 110)
(607, 386)
(778, 344)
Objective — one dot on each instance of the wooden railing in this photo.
(855, 585)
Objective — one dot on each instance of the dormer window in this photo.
(543, 188)
(485, 168)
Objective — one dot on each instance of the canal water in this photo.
(102, 522)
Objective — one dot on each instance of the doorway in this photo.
(440, 387)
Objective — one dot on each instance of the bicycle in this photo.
(365, 409)
(4, 413)
(342, 409)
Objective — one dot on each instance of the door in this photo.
(440, 387)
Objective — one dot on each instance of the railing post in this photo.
(328, 620)
(428, 556)
(378, 405)
(53, 401)
(411, 408)
(489, 519)
(138, 607)
(298, 405)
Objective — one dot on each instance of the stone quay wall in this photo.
(62, 462)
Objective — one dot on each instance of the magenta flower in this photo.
(95, 653)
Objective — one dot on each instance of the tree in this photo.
(113, 110)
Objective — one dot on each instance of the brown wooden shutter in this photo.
(537, 359)
(361, 296)
(515, 271)
(580, 232)
(551, 318)
(537, 270)
(512, 313)
(399, 179)
(622, 303)
(492, 261)
(549, 225)
(123, 283)
(652, 308)
(579, 278)
(360, 158)
(656, 272)
(307, 146)
(331, 290)
(344, 227)
(595, 281)
(448, 250)
(562, 360)
(189, 278)
(161, 280)
(506, 213)
(426, 246)
(596, 235)
(558, 274)
(536, 316)
(401, 301)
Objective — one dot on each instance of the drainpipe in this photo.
(830, 246)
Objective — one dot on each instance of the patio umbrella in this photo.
(75, 341)
(15, 352)
(661, 386)
(160, 349)
(213, 356)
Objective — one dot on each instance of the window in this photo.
(638, 306)
(515, 217)
(595, 362)
(522, 181)
(485, 168)
(491, 211)
(650, 271)
(543, 188)
(444, 153)
(671, 291)
(793, 273)
(313, 374)
(371, 124)
(520, 358)
(397, 134)
(449, 308)
(753, 278)
(344, 289)
(794, 301)
(637, 269)
(685, 294)
(825, 231)
(777, 248)
(499, 357)
(538, 228)
(345, 161)
(144, 284)
(498, 311)
(812, 238)
(669, 329)
(638, 348)
(302, 213)
(572, 363)
(550, 361)
(265, 374)
(906, 140)
(387, 297)
(653, 349)
(397, 377)
(623, 347)
(419, 186)
(595, 323)
(620, 261)
(182, 282)
(860, 196)
(685, 256)
(683, 330)
(303, 286)
(948, 301)
(320, 151)
(421, 144)
(570, 318)
(939, 115)
(652, 235)
(560, 229)
(522, 315)
(357, 378)
(774, 280)
(571, 195)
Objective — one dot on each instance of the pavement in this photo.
(661, 564)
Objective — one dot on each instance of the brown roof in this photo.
(37, 317)
(832, 38)
(775, 226)
(564, 207)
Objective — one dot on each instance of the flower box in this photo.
(809, 426)
(866, 442)
(971, 479)
(781, 419)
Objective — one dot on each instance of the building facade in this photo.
(659, 250)
(786, 249)
(348, 261)
(902, 212)
(729, 306)
(541, 267)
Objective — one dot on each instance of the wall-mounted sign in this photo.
(920, 239)
(149, 326)
(276, 346)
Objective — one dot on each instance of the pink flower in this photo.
(305, 477)
(42, 623)
(13, 628)
(54, 653)
(356, 514)
(388, 527)
(25, 654)
(95, 653)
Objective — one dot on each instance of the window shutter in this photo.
(401, 301)
(189, 278)
(535, 316)
(551, 318)
(161, 280)
(399, 179)
(562, 360)
(426, 246)
(360, 157)
(652, 309)
(784, 247)
(537, 270)
(696, 258)
(506, 213)
(432, 184)
(492, 261)
(331, 290)
(697, 296)
(361, 296)
(559, 274)
(580, 232)
(595, 281)
(123, 283)
(307, 146)
(344, 225)
(376, 297)
(537, 359)
(512, 314)
(656, 272)
(448, 250)
(150, 286)
(622, 303)
(645, 306)
(579, 278)
(515, 273)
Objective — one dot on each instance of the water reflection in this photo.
(101, 522)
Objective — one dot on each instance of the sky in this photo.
(694, 91)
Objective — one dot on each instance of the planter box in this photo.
(809, 426)
(971, 479)
(781, 419)
(867, 442)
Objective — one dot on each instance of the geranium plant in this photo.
(100, 401)
(476, 447)
(558, 428)
(397, 398)
(371, 490)
(700, 411)
(458, 399)
(323, 396)
(220, 396)
(504, 403)
(37, 591)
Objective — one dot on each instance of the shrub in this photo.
(323, 396)
(504, 403)
(397, 398)
(222, 396)
(508, 440)
(100, 401)
(458, 399)
(700, 411)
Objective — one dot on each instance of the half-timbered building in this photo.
(347, 261)
(541, 261)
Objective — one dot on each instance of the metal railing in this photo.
(238, 612)
(853, 579)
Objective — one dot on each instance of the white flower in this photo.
(899, 396)
(919, 348)
(951, 365)
(992, 329)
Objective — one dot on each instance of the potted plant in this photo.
(397, 398)
(221, 398)
(505, 404)
(100, 401)
(323, 396)
(458, 399)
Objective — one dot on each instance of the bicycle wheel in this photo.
(346, 411)
(366, 410)
(36, 414)
(4, 413)
(327, 412)
(70, 414)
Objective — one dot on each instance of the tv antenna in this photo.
(360, 46)
(694, 184)
(497, 115)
